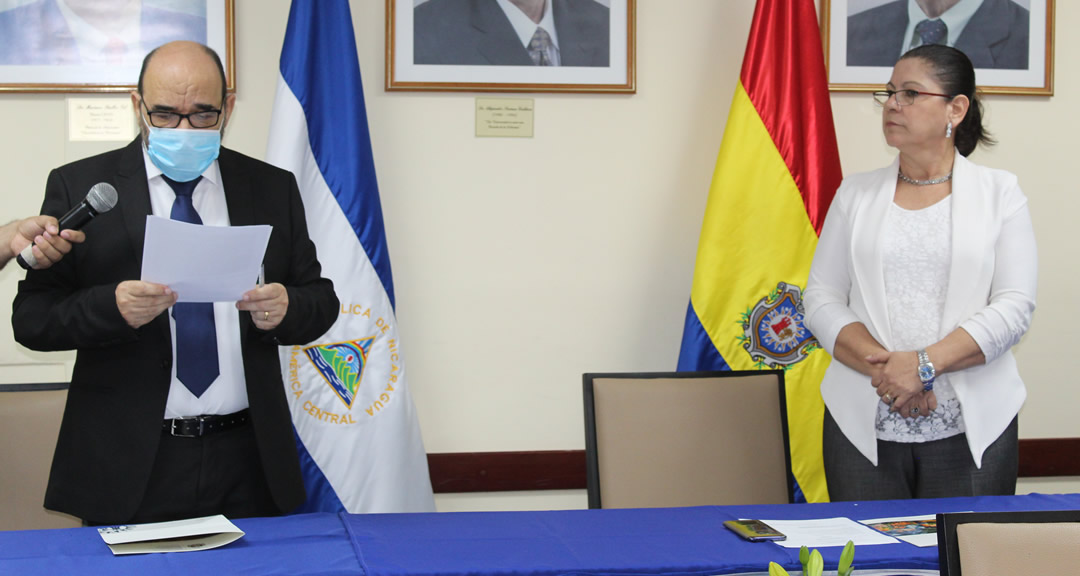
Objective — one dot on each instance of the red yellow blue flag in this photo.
(776, 174)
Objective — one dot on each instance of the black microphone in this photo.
(101, 198)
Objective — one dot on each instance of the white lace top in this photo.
(917, 250)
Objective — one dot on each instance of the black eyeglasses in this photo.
(903, 97)
(201, 119)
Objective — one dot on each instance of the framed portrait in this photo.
(99, 46)
(510, 45)
(1010, 42)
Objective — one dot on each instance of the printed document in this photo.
(203, 263)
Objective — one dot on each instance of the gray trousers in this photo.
(937, 469)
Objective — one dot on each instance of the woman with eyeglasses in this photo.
(923, 280)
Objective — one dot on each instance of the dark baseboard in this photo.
(1043, 457)
(38, 387)
(565, 469)
(507, 471)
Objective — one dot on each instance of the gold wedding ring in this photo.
(266, 316)
(887, 399)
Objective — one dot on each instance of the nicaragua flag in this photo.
(356, 426)
(775, 176)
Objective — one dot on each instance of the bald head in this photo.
(182, 78)
(185, 54)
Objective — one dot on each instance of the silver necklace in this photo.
(944, 178)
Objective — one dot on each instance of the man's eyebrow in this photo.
(198, 106)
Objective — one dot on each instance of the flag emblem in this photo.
(342, 365)
(773, 331)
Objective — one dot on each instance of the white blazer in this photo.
(991, 295)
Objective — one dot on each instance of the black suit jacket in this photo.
(112, 422)
(995, 37)
(478, 33)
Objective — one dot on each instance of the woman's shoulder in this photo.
(994, 175)
(996, 187)
(990, 179)
(864, 184)
(875, 176)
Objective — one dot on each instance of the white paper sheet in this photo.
(203, 263)
(827, 532)
(177, 536)
(918, 530)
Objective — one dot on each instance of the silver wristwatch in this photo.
(926, 371)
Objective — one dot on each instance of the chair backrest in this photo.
(29, 425)
(686, 439)
(1008, 543)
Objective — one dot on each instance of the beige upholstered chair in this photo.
(29, 425)
(1009, 543)
(686, 439)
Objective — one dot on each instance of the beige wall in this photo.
(521, 264)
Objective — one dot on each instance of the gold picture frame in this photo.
(59, 65)
(464, 63)
(870, 71)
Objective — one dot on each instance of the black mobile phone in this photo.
(754, 530)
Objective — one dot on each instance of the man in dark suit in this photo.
(484, 33)
(175, 410)
(996, 36)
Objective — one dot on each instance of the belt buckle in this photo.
(180, 434)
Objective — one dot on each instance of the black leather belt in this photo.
(203, 425)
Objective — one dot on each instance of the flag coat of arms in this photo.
(776, 174)
(356, 425)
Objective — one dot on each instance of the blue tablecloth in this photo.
(672, 541)
(301, 545)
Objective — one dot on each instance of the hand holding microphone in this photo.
(53, 245)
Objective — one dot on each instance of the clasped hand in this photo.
(140, 302)
(895, 376)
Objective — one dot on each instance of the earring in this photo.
(948, 130)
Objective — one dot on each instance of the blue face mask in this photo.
(183, 155)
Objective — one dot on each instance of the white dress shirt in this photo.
(94, 45)
(228, 393)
